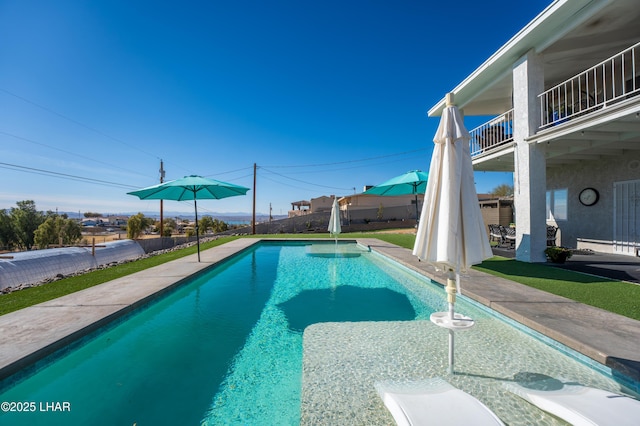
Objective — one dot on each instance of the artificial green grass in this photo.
(615, 296)
(402, 240)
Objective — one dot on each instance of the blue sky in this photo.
(325, 97)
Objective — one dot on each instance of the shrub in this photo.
(557, 254)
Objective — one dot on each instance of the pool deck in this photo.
(32, 333)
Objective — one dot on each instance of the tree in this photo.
(57, 230)
(7, 232)
(219, 226)
(503, 190)
(26, 219)
(46, 233)
(204, 224)
(71, 231)
(92, 214)
(137, 224)
(169, 225)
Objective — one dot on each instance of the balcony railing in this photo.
(498, 131)
(611, 81)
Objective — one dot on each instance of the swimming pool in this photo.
(227, 348)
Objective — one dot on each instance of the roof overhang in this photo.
(492, 80)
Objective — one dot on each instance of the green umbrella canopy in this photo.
(413, 182)
(191, 188)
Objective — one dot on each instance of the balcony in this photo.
(607, 83)
(492, 134)
(604, 90)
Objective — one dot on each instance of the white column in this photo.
(530, 178)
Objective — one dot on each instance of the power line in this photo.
(49, 110)
(99, 132)
(348, 168)
(284, 184)
(70, 153)
(32, 170)
(231, 171)
(302, 181)
(352, 161)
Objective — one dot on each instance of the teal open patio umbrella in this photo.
(413, 182)
(190, 188)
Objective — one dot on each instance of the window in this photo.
(557, 204)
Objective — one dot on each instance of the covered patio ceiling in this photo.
(611, 132)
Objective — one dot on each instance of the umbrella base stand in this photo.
(459, 321)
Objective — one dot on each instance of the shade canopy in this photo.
(413, 182)
(191, 188)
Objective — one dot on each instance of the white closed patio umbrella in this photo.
(451, 234)
(334, 220)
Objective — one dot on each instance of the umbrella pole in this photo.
(451, 298)
(451, 352)
(195, 203)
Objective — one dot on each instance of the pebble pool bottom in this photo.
(226, 348)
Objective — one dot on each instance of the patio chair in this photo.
(551, 235)
(433, 401)
(579, 405)
(509, 235)
(495, 234)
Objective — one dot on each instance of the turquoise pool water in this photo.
(227, 348)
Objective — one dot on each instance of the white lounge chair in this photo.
(581, 405)
(433, 402)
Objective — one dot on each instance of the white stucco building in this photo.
(563, 97)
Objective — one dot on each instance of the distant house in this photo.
(299, 208)
(563, 106)
(367, 207)
(89, 222)
(322, 204)
(118, 220)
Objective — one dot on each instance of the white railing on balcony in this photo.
(495, 132)
(611, 81)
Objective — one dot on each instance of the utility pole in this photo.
(253, 222)
(161, 204)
